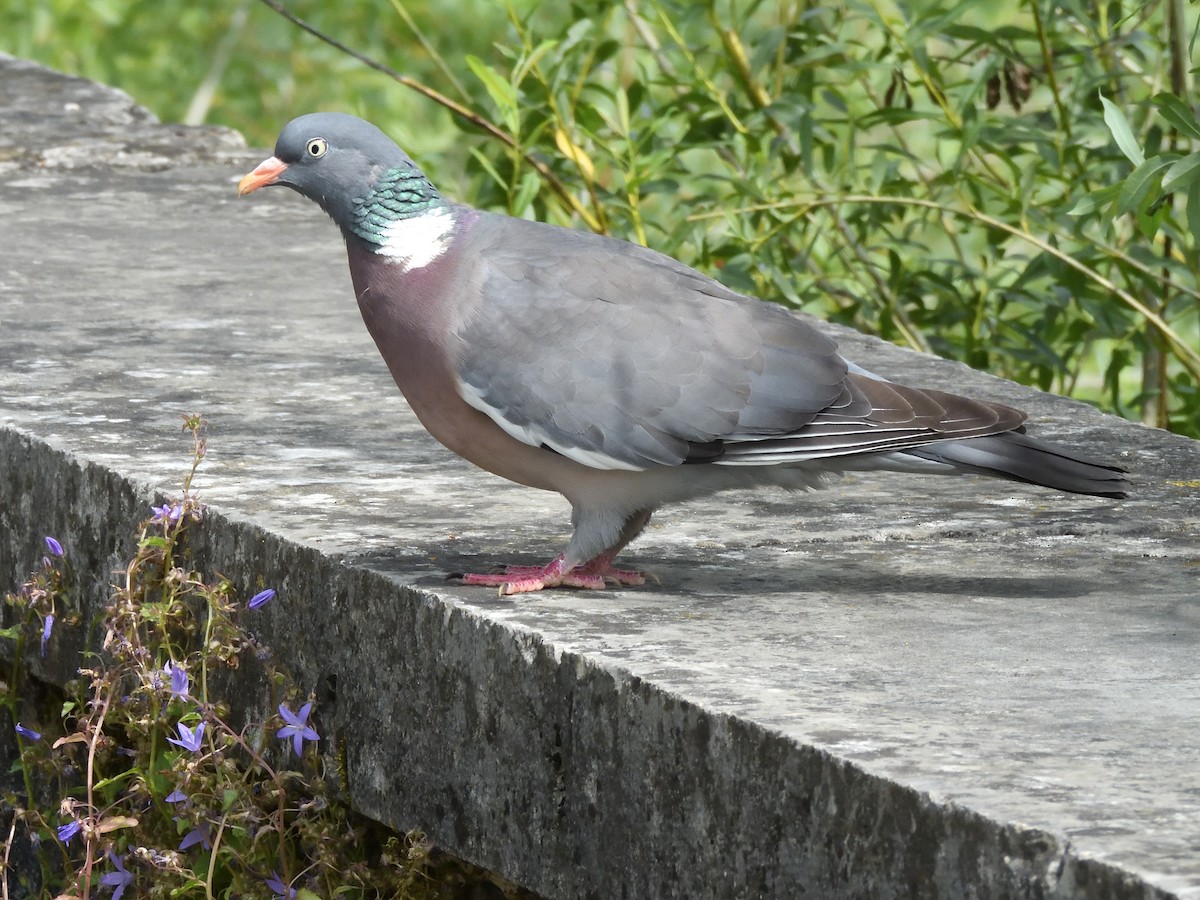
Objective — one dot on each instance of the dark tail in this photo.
(1016, 456)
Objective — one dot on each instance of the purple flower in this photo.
(179, 679)
(278, 888)
(119, 879)
(167, 512)
(47, 627)
(28, 733)
(176, 796)
(189, 738)
(54, 546)
(198, 835)
(68, 831)
(297, 727)
(262, 598)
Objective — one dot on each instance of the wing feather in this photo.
(622, 358)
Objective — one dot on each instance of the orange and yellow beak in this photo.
(267, 172)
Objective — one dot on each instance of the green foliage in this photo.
(142, 782)
(237, 63)
(1016, 186)
(1009, 187)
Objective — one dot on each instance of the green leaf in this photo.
(1095, 200)
(11, 633)
(115, 779)
(486, 165)
(1193, 210)
(1178, 113)
(973, 34)
(503, 94)
(1121, 132)
(1149, 223)
(1137, 186)
(892, 115)
(528, 189)
(1183, 174)
(530, 60)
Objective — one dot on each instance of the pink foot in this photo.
(593, 575)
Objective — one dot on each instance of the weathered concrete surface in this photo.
(897, 687)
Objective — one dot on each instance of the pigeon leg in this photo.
(601, 565)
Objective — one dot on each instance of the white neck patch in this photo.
(415, 242)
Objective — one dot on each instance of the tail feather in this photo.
(1016, 456)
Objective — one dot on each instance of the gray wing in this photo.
(622, 358)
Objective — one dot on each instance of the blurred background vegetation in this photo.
(1013, 185)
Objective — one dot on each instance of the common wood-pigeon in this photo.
(612, 374)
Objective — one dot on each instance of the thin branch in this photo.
(492, 130)
(427, 46)
(912, 334)
(650, 39)
(1064, 118)
(197, 111)
(714, 92)
(1184, 353)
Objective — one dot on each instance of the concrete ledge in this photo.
(899, 687)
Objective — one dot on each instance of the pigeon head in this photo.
(341, 162)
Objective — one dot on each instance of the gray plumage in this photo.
(611, 373)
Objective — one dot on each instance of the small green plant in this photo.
(142, 785)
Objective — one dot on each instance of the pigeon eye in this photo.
(316, 148)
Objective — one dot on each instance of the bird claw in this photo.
(623, 577)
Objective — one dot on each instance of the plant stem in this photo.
(494, 131)
(12, 830)
(197, 110)
(96, 728)
(14, 684)
(1189, 357)
(1064, 118)
(212, 857)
